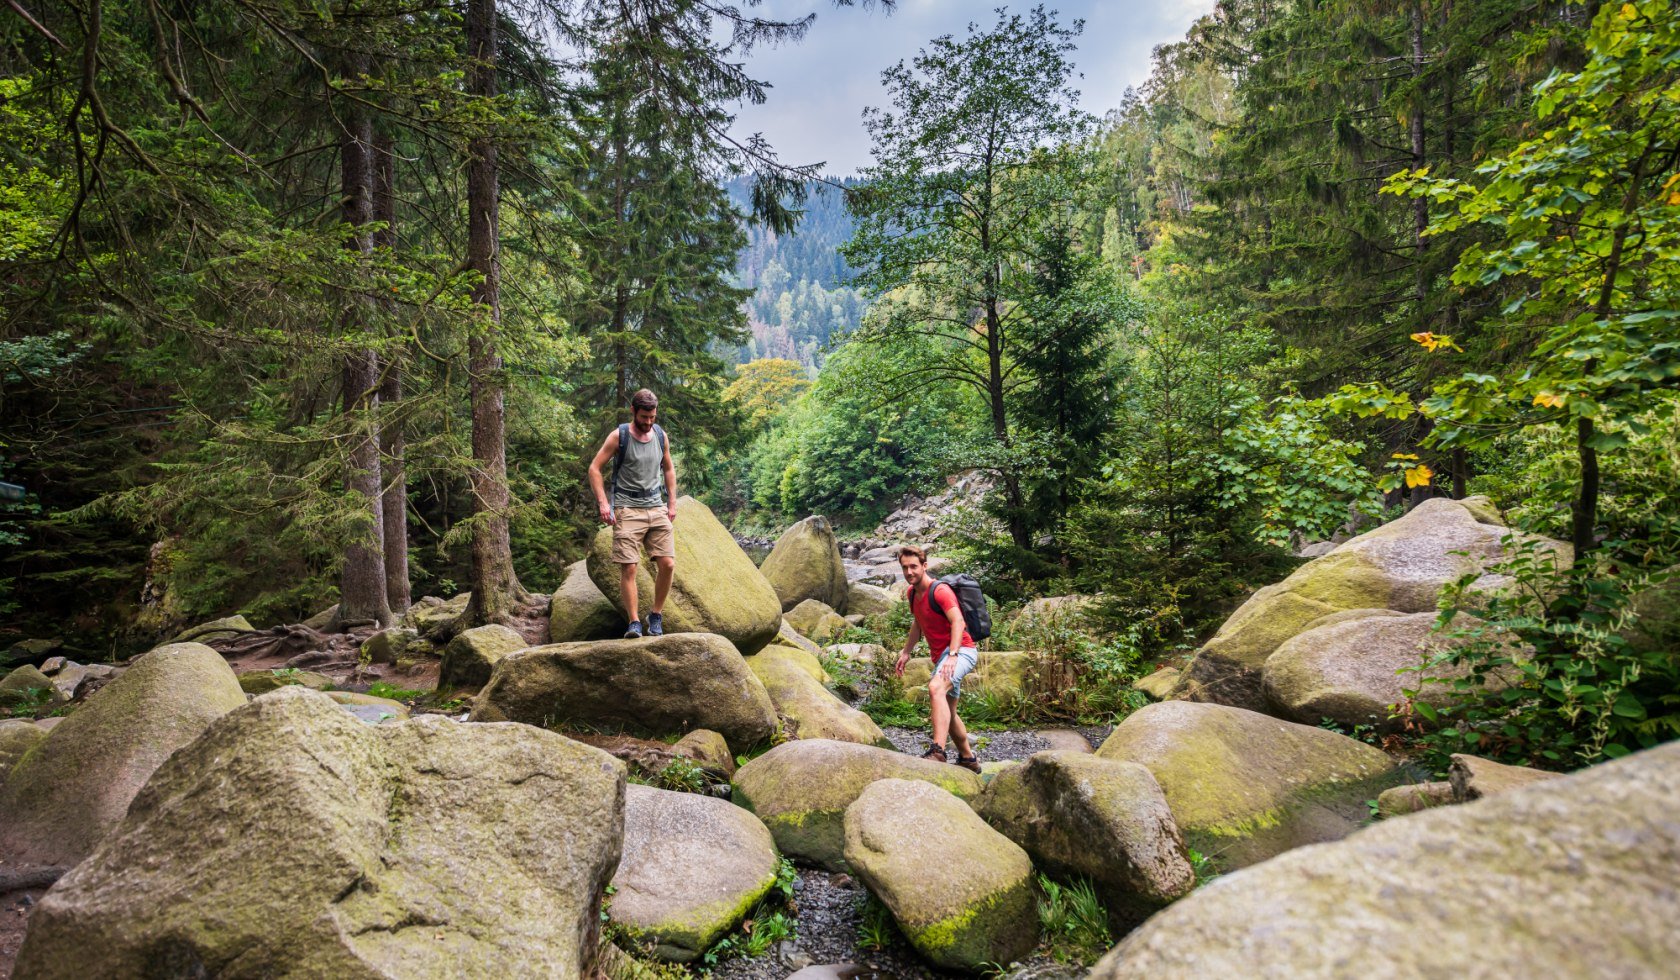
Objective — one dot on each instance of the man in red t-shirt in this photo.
(937, 616)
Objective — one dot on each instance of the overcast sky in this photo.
(822, 83)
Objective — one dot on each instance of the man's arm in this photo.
(608, 449)
(670, 480)
(948, 666)
(909, 645)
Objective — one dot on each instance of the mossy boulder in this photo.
(579, 610)
(1412, 797)
(805, 564)
(473, 654)
(794, 680)
(1352, 668)
(395, 645)
(654, 686)
(1001, 674)
(801, 790)
(1400, 566)
(422, 849)
(26, 686)
(1159, 685)
(17, 737)
(430, 616)
(1056, 609)
(708, 749)
(61, 799)
(786, 636)
(1568, 878)
(1244, 786)
(262, 681)
(816, 621)
(1078, 814)
(370, 708)
(693, 867)
(716, 587)
(225, 628)
(868, 600)
(961, 892)
(1473, 777)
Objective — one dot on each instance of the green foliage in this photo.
(29, 702)
(380, 689)
(1078, 672)
(1203, 866)
(770, 922)
(876, 928)
(1072, 921)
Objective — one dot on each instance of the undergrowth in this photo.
(1072, 921)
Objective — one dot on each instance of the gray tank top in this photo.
(639, 479)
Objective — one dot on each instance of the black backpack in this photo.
(624, 447)
(977, 619)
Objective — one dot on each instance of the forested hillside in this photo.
(800, 282)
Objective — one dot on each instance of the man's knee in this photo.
(666, 563)
(938, 686)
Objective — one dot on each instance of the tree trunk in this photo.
(362, 585)
(1586, 504)
(1420, 206)
(495, 587)
(394, 505)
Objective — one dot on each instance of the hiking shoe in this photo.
(969, 762)
(656, 624)
(633, 631)
(935, 752)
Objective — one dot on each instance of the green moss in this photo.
(973, 921)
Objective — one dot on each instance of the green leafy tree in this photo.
(964, 166)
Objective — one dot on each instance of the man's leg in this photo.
(627, 583)
(662, 582)
(940, 707)
(959, 734)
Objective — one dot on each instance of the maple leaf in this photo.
(1548, 400)
(1419, 475)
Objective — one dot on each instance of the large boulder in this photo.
(579, 610)
(430, 616)
(654, 686)
(1159, 685)
(1473, 777)
(801, 790)
(1244, 786)
(817, 621)
(1400, 566)
(473, 654)
(716, 587)
(1572, 878)
(1001, 674)
(396, 645)
(961, 892)
(1355, 665)
(868, 600)
(693, 867)
(262, 681)
(64, 797)
(28, 687)
(794, 679)
(1078, 814)
(292, 840)
(17, 737)
(787, 636)
(225, 628)
(806, 564)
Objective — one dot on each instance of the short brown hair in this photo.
(911, 549)
(644, 400)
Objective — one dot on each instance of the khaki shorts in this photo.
(643, 525)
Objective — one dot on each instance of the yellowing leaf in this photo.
(1672, 180)
(1433, 342)
(1405, 456)
(1629, 11)
(1548, 400)
(1419, 476)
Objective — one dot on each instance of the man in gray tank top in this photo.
(643, 507)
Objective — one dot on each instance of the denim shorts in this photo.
(967, 657)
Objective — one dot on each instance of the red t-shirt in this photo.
(935, 626)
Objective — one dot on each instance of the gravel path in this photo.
(829, 908)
